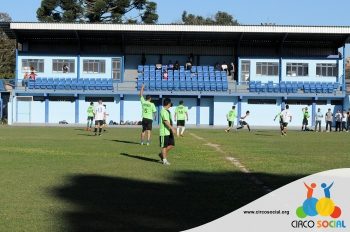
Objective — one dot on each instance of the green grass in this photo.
(64, 179)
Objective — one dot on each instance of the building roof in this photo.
(325, 36)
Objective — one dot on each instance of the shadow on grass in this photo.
(189, 199)
(140, 157)
(124, 141)
(87, 134)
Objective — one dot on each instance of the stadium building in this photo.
(273, 65)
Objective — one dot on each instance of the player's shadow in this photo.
(124, 141)
(186, 200)
(140, 157)
(86, 135)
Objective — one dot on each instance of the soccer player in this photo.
(306, 117)
(99, 116)
(180, 115)
(148, 113)
(90, 118)
(243, 122)
(279, 115)
(105, 119)
(166, 131)
(286, 117)
(231, 116)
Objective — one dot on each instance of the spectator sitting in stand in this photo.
(32, 74)
(165, 75)
(217, 66)
(176, 65)
(188, 65)
(170, 65)
(158, 66)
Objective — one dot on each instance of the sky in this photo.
(281, 12)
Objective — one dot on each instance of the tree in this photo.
(7, 51)
(110, 11)
(220, 18)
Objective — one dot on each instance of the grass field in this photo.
(64, 179)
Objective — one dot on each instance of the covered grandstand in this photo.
(274, 65)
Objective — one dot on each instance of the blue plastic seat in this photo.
(164, 85)
(224, 86)
(176, 85)
(252, 86)
(158, 84)
(182, 85)
(140, 68)
(170, 85)
(152, 85)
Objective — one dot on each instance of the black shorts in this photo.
(305, 121)
(243, 123)
(90, 118)
(230, 123)
(104, 121)
(98, 122)
(285, 124)
(180, 122)
(146, 124)
(167, 140)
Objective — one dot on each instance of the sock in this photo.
(87, 125)
(183, 130)
(99, 130)
(95, 130)
(178, 131)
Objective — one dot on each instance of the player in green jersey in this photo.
(166, 131)
(231, 116)
(181, 114)
(148, 114)
(90, 116)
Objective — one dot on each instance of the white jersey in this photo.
(100, 112)
(286, 116)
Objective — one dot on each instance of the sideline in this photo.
(233, 161)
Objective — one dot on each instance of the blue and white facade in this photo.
(273, 66)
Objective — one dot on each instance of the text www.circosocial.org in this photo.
(272, 212)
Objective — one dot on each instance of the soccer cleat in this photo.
(99, 135)
(226, 131)
(141, 144)
(95, 134)
(165, 162)
(147, 144)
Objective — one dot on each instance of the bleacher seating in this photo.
(199, 78)
(293, 87)
(72, 84)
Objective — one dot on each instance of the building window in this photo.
(63, 66)
(37, 64)
(326, 70)
(116, 65)
(267, 68)
(94, 66)
(297, 69)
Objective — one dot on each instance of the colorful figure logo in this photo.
(313, 206)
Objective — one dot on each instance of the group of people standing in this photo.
(99, 114)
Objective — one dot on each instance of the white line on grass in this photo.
(235, 162)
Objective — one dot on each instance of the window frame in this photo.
(267, 68)
(38, 64)
(294, 67)
(94, 66)
(70, 63)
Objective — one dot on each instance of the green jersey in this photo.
(180, 112)
(306, 114)
(231, 115)
(90, 111)
(148, 108)
(164, 116)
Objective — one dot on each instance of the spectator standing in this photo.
(348, 121)
(217, 66)
(25, 80)
(231, 71)
(224, 67)
(65, 68)
(306, 117)
(318, 120)
(343, 121)
(338, 120)
(188, 65)
(329, 120)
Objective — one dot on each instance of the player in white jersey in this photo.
(100, 112)
(286, 117)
